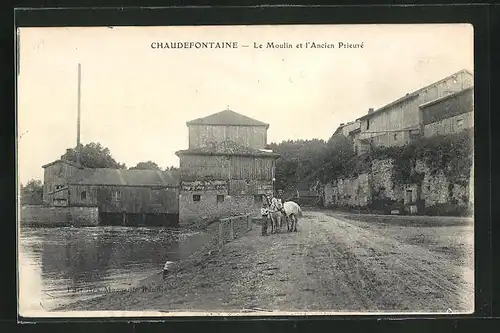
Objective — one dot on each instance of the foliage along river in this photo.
(61, 265)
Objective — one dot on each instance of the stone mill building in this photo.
(226, 169)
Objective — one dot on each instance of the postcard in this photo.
(245, 170)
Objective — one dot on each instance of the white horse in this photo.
(292, 212)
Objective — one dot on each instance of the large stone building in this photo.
(122, 197)
(226, 169)
(442, 108)
(449, 114)
(397, 123)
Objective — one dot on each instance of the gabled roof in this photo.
(438, 100)
(62, 161)
(356, 123)
(226, 148)
(385, 107)
(413, 94)
(122, 177)
(227, 117)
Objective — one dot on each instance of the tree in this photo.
(32, 193)
(299, 161)
(93, 155)
(149, 165)
(171, 168)
(310, 161)
(338, 158)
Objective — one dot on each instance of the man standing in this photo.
(264, 211)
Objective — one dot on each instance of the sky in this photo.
(136, 100)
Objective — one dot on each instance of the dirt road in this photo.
(331, 264)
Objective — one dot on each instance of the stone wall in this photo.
(209, 209)
(84, 216)
(348, 192)
(438, 194)
(434, 186)
(359, 191)
(59, 216)
(438, 190)
(381, 180)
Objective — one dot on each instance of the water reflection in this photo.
(57, 264)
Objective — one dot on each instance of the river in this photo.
(60, 265)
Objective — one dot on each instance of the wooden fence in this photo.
(233, 227)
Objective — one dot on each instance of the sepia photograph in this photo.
(253, 170)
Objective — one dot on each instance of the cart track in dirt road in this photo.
(402, 276)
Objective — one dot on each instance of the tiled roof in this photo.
(125, 177)
(226, 148)
(62, 161)
(413, 94)
(227, 117)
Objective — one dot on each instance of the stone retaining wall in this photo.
(59, 216)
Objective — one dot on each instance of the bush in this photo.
(451, 154)
(32, 193)
(447, 209)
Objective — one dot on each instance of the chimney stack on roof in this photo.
(370, 110)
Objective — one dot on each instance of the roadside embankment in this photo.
(180, 270)
(332, 264)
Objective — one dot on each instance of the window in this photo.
(196, 197)
(257, 199)
(395, 137)
(116, 196)
(220, 198)
(367, 124)
(83, 195)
